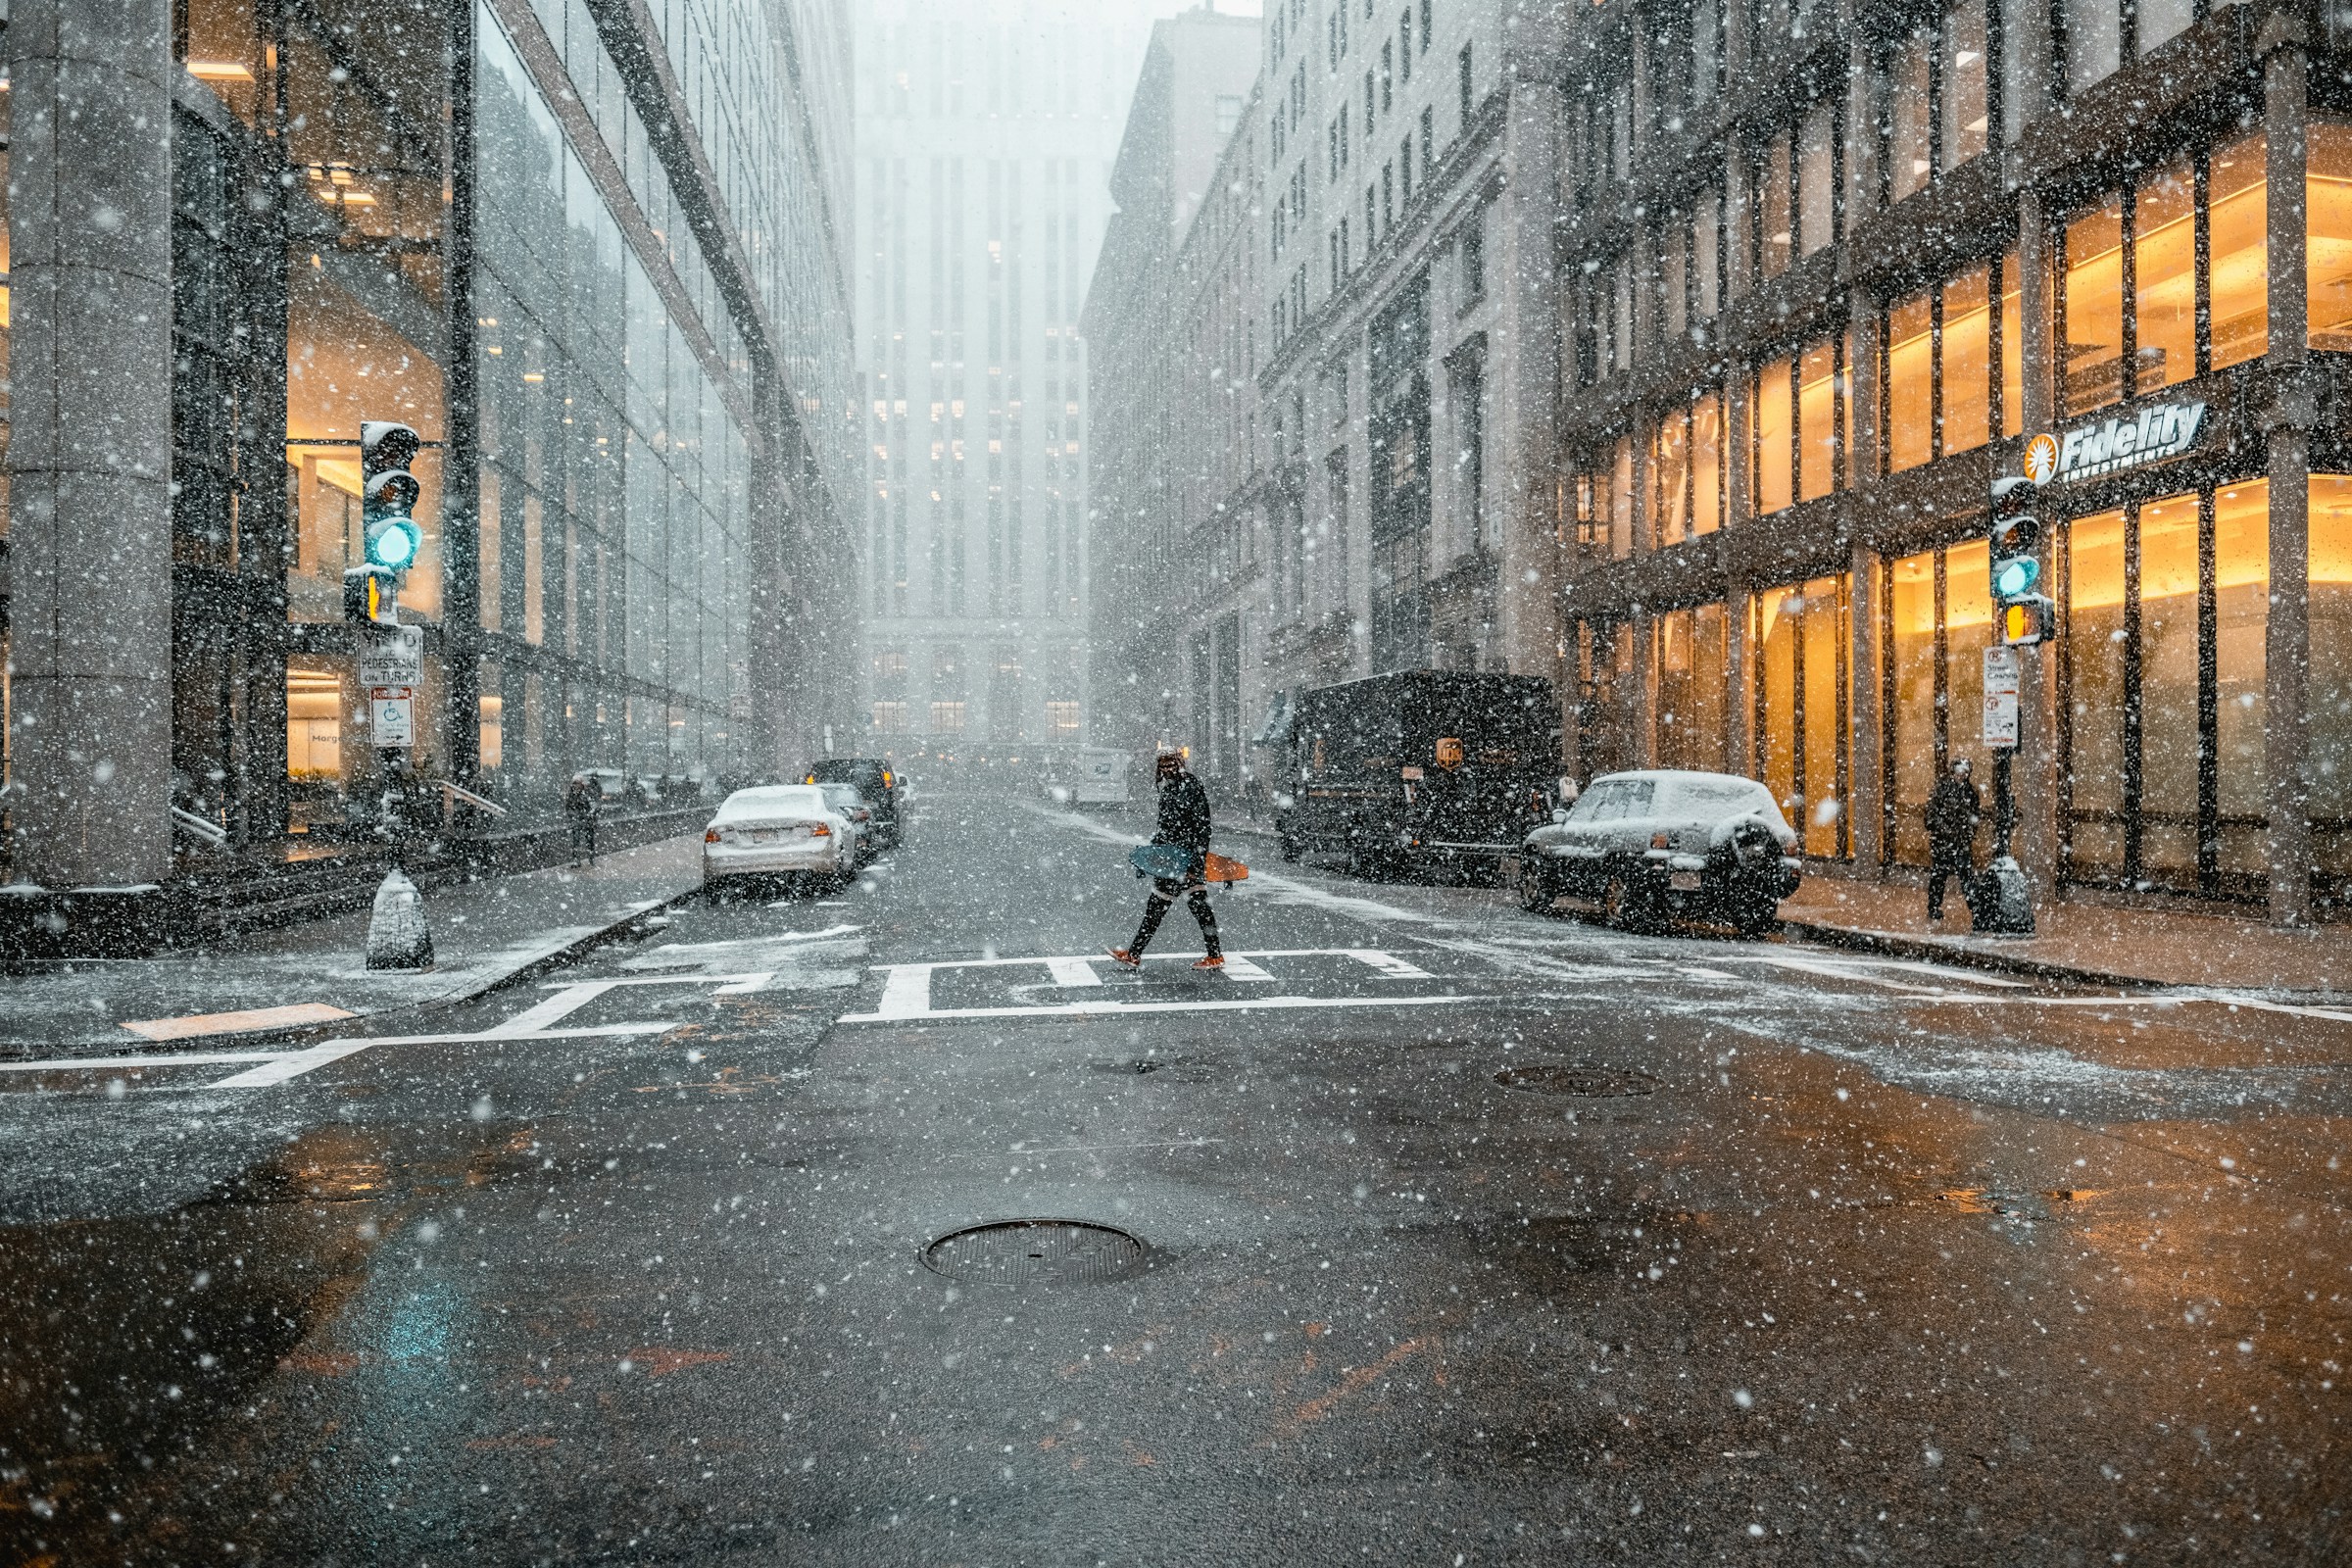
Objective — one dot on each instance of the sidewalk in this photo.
(289, 979)
(2088, 942)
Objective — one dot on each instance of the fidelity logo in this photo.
(2159, 431)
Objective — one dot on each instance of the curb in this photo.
(1901, 947)
(619, 926)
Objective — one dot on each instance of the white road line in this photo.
(1092, 1148)
(562, 1004)
(1085, 1009)
(294, 1064)
(272, 1073)
(1240, 967)
(186, 1058)
(1387, 963)
(907, 994)
(1073, 972)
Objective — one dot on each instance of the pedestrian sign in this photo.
(392, 715)
(395, 659)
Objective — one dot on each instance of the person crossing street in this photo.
(1184, 824)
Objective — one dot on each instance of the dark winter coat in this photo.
(1183, 814)
(1954, 809)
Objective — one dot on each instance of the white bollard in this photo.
(398, 937)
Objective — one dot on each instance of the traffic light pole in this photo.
(2005, 904)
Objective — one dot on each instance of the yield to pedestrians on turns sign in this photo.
(2001, 679)
(392, 715)
(396, 658)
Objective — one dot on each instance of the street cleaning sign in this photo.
(2001, 683)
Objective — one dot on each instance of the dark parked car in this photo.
(875, 779)
(1419, 767)
(1647, 845)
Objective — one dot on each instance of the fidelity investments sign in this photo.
(2159, 431)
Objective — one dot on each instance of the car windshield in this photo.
(1612, 800)
(1717, 797)
(844, 796)
(783, 799)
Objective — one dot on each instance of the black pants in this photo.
(1959, 870)
(583, 837)
(1155, 908)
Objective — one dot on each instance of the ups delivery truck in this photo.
(1420, 769)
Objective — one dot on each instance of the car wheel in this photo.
(1537, 891)
(1626, 903)
(1752, 920)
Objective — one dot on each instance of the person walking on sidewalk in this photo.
(581, 798)
(1954, 809)
(1182, 822)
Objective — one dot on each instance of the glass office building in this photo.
(589, 254)
(1809, 329)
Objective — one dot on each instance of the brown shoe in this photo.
(1215, 961)
(1122, 956)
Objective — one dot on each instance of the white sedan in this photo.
(776, 830)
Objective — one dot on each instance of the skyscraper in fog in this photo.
(983, 138)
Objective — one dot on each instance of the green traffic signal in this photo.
(2017, 577)
(393, 542)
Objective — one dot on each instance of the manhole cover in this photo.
(1591, 1083)
(1024, 1251)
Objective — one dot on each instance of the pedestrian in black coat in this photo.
(1954, 809)
(1182, 822)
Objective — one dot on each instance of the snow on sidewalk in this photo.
(484, 933)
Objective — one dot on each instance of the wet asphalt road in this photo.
(1764, 1253)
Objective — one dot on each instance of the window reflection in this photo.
(2091, 362)
(2241, 255)
(2097, 706)
(1801, 743)
(2165, 277)
(1688, 653)
(2328, 197)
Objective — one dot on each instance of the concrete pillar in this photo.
(91, 448)
(2287, 421)
(1524, 364)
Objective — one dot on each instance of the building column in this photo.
(90, 447)
(1524, 367)
(2287, 420)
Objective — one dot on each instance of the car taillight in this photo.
(710, 835)
(1658, 841)
(819, 830)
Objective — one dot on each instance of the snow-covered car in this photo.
(846, 800)
(1664, 842)
(778, 830)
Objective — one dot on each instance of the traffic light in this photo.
(388, 495)
(2016, 570)
(2027, 621)
(2014, 564)
(370, 593)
